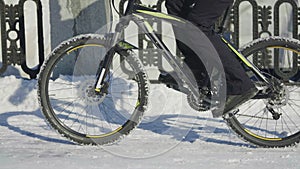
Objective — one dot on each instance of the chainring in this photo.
(197, 104)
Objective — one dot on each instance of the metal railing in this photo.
(265, 20)
(13, 36)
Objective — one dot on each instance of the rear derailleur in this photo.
(278, 97)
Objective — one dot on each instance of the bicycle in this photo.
(79, 102)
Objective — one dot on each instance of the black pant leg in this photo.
(204, 14)
(182, 8)
(237, 80)
(179, 8)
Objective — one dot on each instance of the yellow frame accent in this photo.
(97, 90)
(238, 54)
(105, 135)
(82, 46)
(262, 138)
(280, 47)
(138, 103)
(160, 15)
(147, 24)
(149, 27)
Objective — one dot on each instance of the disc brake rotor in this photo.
(88, 94)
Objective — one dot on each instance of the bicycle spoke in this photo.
(254, 116)
(295, 104)
(65, 83)
(61, 89)
(115, 97)
(80, 128)
(294, 109)
(130, 91)
(267, 125)
(290, 119)
(248, 108)
(114, 111)
(286, 124)
(118, 104)
(66, 98)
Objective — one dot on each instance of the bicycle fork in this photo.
(105, 64)
(104, 69)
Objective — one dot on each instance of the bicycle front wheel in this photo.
(271, 121)
(71, 105)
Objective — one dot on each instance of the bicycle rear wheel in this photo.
(71, 105)
(271, 121)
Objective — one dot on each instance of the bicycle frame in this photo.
(136, 10)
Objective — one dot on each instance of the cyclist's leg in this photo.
(179, 8)
(237, 80)
(195, 64)
(182, 8)
(204, 14)
(239, 86)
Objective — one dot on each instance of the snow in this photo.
(195, 140)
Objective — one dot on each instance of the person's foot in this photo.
(168, 79)
(234, 101)
(171, 80)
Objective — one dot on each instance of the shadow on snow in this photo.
(159, 126)
(4, 122)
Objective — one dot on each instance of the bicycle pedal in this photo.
(175, 87)
(178, 88)
(168, 80)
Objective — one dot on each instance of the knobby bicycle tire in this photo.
(69, 103)
(258, 126)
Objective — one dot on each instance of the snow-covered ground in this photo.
(27, 142)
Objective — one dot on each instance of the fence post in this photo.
(13, 36)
